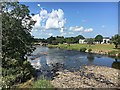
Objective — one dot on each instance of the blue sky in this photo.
(72, 19)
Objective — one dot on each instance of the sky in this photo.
(70, 19)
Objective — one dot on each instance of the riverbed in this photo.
(49, 60)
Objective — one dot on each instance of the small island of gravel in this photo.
(88, 77)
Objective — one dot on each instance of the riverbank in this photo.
(104, 49)
(88, 77)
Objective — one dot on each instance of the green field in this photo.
(96, 47)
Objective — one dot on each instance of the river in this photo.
(48, 60)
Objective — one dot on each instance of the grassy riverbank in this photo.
(40, 83)
(86, 77)
(97, 48)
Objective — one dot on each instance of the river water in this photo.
(47, 60)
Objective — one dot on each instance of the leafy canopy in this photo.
(16, 43)
(99, 38)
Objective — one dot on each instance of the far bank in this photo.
(104, 49)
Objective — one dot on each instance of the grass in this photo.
(96, 47)
(40, 83)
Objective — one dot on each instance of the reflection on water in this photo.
(90, 57)
(46, 60)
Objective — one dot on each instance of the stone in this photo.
(87, 77)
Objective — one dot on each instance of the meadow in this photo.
(96, 48)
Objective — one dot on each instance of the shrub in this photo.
(89, 50)
(42, 83)
(83, 49)
(114, 54)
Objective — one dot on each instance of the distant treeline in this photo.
(60, 39)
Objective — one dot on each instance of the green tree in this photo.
(76, 39)
(99, 38)
(80, 37)
(116, 40)
(90, 41)
(50, 39)
(16, 43)
(60, 39)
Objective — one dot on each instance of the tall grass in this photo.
(43, 83)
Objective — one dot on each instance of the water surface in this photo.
(46, 59)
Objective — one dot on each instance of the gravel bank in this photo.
(88, 77)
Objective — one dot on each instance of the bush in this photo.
(16, 71)
(89, 50)
(83, 49)
(42, 83)
(114, 54)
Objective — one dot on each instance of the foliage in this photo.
(50, 39)
(40, 40)
(116, 40)
(89, 50)
(80, 37)
(99, 38)
(60, 40)
(113, 53)
(16, 43)
(55, 42)
(90, 41)
(83, 49)
(27, 84)
(42, 83)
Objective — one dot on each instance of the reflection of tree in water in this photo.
(90, 57)
(116, 64)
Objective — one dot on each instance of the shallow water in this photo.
(46, 59)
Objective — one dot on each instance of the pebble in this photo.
(88, 77)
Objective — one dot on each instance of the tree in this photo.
(50, 39)
(16, 36)
(99, 38)
(116, 40)
(60, 39)
(78, 37)
(16, 43)
(90, 41)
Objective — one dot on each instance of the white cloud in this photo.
(50, 34)
(88, 30)
(62, 34)
(76, 28)
(55, 20)
(44, 14)
(38, 5)
(70, 32)
(38, 19)
(80, 29)
(46, 21)
(62, 30)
